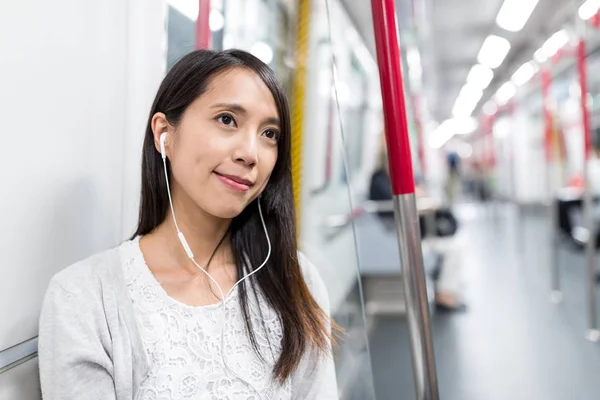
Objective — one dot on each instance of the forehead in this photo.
(244, 87)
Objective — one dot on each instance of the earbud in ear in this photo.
(163, 137)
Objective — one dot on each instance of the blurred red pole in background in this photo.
(546, 76)
(203, 26)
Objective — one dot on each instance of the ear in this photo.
(160, 125)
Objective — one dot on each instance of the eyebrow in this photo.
(272, 121)
(241, 110)
(232, 106)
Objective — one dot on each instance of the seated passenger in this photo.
(445, 241)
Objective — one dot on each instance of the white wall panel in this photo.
(77, 82)
(21, 382)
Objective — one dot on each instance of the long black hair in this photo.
(305, 325)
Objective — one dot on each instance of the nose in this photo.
(246, 149)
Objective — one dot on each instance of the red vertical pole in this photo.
(512, 105)
(491, 143)
(394, 103)
(585, 114)
(546, 76)
(483, 147)
(595, 21)
(546, 83)
(593, 333)
(488, 142)
(403, 187)
(203, 26)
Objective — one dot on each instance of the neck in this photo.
(202, 231)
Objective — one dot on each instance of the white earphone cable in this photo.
(169, 193)
(262, 220)
(180, 234)
(191, 256)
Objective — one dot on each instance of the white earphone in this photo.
(190, 254)
(163, 152)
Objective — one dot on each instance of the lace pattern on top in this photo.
(183, 343)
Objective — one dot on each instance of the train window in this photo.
(181, 34)
(181, 29)
(284, 45)
(596, 138)
(261, 27)
(354, 123)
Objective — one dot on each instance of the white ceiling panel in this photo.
(457, 29)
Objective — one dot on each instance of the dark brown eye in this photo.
(226, 119)
(271, 134)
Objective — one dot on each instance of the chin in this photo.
(227, 210)
(229, 213)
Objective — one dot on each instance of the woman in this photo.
(210, 299)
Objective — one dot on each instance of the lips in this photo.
(235, 182)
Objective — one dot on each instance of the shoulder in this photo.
(314, 281)
(88, 275)
(84, 291)
(309, 270)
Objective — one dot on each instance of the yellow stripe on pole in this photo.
(298, 102)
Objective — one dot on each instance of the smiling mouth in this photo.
(235, 182)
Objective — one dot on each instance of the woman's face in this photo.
(225, 147)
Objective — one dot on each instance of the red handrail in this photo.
(203, 26)
(394, 103)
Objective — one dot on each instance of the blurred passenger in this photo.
(594, 172)
(576, 181)
(479, 178)
(444, 239)
(453, 182)
(145, 320)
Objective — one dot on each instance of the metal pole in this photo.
(519, 235)
(593, 333)
(403, 187)
(556, 293)
(492, 170)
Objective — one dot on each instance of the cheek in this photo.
(192, 164)
(197, 150)
(266, 170)
(268, 162)
(190, 159)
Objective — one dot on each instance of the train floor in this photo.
(512, 342)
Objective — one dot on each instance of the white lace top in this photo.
(183, 345)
